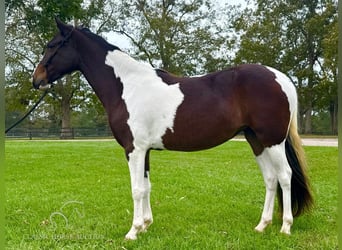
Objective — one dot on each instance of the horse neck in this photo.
(99, 75)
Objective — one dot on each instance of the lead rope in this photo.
(29, 112)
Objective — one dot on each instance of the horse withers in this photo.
(151, 109)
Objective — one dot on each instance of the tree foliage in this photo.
(183, 37)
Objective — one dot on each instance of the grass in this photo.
(76, 195)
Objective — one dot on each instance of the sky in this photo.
(123, 42)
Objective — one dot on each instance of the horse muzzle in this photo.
(40, 79)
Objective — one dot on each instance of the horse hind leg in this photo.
(275, 167)
(269, 175)
(284, 174)
(270, 179)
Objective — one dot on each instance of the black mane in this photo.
(98, 38)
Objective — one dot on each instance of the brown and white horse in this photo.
(151, 109)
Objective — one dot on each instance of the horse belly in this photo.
(200, 130)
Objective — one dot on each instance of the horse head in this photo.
(60, 58)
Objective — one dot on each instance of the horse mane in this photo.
(163, 71)
(98, 39)
(168, 78)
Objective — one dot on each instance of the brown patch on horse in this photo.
(219, 105)
(203, 120)
(269, 101)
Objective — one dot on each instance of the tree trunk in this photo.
(333, 117)
(66, 94)
(300, 122)
(307, 121)
(66, 131)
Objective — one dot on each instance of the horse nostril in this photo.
(36, 86)
(37, 83)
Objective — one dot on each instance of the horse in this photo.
(152, 109)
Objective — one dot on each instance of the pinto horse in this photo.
(152, 109)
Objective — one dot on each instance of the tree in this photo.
(183, 37)
(328, 86)
(29, 26)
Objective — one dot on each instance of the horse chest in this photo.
(151, 112)
(151, 103)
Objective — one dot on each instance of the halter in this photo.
(60, 45)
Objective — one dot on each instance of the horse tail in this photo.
(301, 194)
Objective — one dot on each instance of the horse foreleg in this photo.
(270, 180)
(147, 211)
(136, 168)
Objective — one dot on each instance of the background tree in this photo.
(183, 37)
(328, 100)
(29, 26)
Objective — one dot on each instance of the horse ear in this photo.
(63, 28)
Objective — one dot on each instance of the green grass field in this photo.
(76, 195)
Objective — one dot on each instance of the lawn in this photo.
(76, 195)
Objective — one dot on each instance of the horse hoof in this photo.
(286, 228)
(285, 231)
(146, 225)
(262, 225)
(258, 230)
(130, 236)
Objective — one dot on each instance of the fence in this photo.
(61, 133)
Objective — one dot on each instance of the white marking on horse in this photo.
(151, 103)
